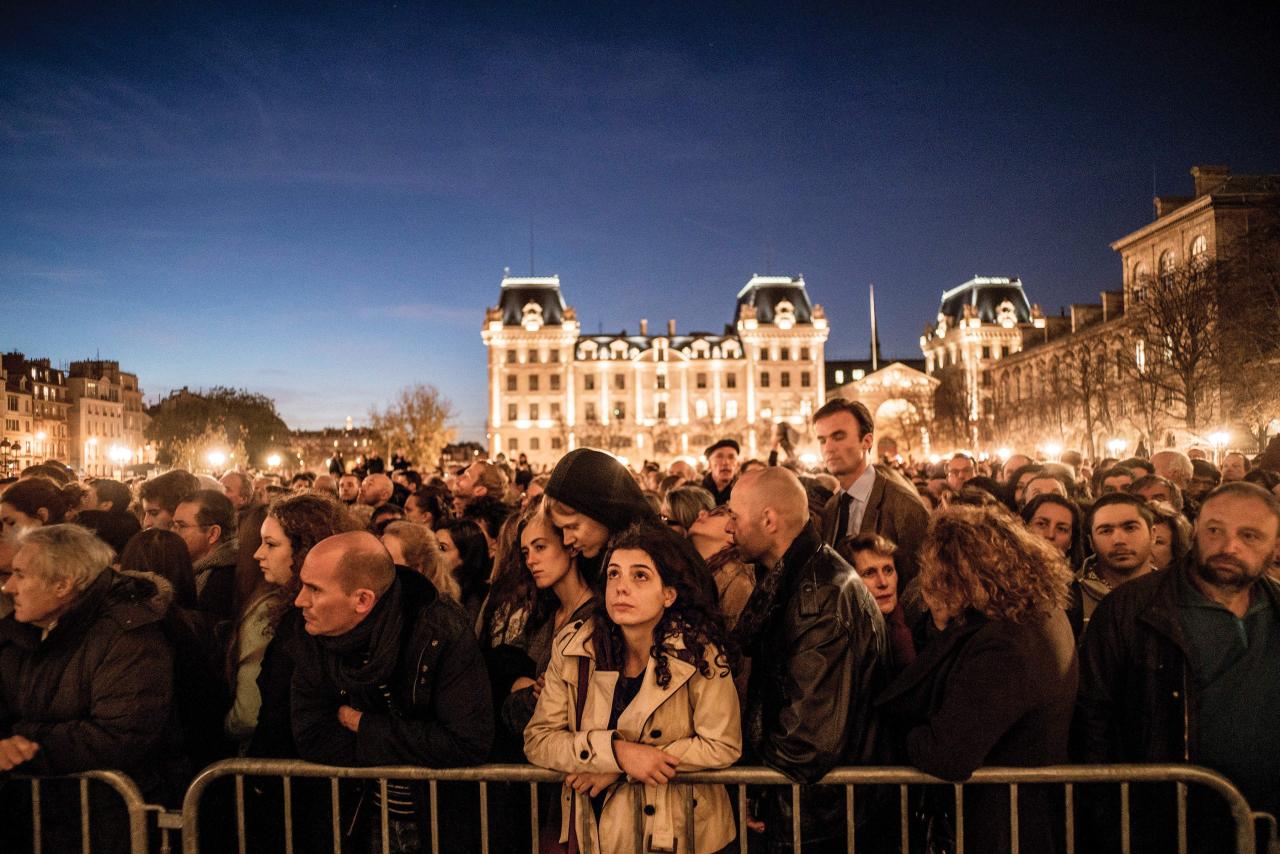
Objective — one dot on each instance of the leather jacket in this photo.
(816, 666)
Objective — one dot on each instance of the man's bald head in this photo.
(361, 562)
(768, 508)
(376, 489)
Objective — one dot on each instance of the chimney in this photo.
(671, 328)
(644, 327)
(1209, 178)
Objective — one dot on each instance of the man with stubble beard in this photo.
(1180, 666)
(1119, 527)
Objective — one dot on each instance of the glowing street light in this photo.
(1004, 454)
(1219, 441)
(1116, 446)
(273, 460)
(1053, 450)
(217, 459)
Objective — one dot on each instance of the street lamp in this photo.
(217, 459)
(1053, 450)
(273, 461)
(1116, 447)
(1219, 441)
(119, 456)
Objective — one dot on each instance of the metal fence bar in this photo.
(1123, 775)
(336, 818)
(484, 818)
(241, 838)
(287, 786)
(850, 822)
(384, 826)
(37, 831)
(742, 818)
(85, 838)
(433, 795)
(904, 817)
(1124, 819)
(959, 818)
(795, 817)
(1013, 818)
(1182, 818)
(1069, 795)
(533, 817)
(690, 804)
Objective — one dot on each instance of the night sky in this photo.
(317, 202)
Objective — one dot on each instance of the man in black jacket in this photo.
(1180, 666)
(816, 642)
(390, 674)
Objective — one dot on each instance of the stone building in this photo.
(45, 434)
(979, 323)
(649, 395)
(107, 423)
(1098, 382)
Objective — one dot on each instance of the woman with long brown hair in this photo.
(996, 684)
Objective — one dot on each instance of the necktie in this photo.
(842, 518)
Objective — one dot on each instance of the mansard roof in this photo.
(543, 292)
(985, 295)
(765, 293)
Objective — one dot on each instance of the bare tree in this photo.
(1250, 332)
(1174, 319)
(1084, 380)
(951, 407)
(417, 422)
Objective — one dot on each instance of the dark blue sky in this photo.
(317, 202)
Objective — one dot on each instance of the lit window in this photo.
(589, 382)
(786, 379)
(511, 382)
(533, 383)
(804, 379)
(764, 379)
(701, 381)
(533, 411)
(555, 382)
(512, 413)
(1199, 246)
(731, 409)
(839, 377)
(700, 408)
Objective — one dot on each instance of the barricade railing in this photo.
(135, 806)
(850, 778)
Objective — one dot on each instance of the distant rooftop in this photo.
(988, 295)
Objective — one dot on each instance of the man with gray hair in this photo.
(86, 678)
(817, 641)
(206, 521)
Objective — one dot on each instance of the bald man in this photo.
(376, 490)
(389, 673)
(816, 641)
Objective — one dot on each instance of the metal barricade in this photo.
(1068, 776)
(135, 806)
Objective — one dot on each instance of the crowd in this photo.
(623, 627)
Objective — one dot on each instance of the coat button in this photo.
(649, 810)
(655, 733)
(584, 755)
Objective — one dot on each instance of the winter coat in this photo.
(97, 692)
(442, 714)
(817, 662)
(693, 717)
(1023, 678)
(273, 734)
(215, 576)
(893, 511)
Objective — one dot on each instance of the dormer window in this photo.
(531, 316)
(784, 314)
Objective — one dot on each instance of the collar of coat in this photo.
(576, 643)
(131, 599)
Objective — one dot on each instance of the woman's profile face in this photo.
(450, 558)
(544, 553)
(634, 594)
(275, 554)
(15, 521)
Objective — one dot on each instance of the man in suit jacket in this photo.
(869, 501)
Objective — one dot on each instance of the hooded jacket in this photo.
(97, 692)
(597, 485)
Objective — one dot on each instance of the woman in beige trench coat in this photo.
(659, 699)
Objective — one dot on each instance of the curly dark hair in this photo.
(693, 617)
(306, 519)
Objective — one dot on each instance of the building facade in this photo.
(106, 420)
(649, 396)
(47, 435)
(1104, 380)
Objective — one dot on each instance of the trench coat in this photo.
(693, 717)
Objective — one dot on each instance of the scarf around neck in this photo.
(366, 656)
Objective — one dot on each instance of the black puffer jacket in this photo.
(98, 691)
(816, 666)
